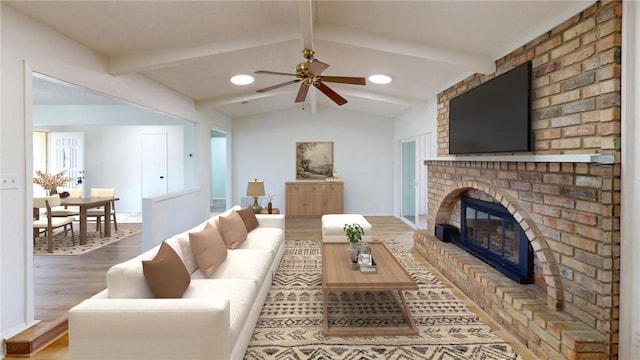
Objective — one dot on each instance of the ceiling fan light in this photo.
(380, 79)
(242, 79)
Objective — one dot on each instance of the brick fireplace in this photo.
(565, 195)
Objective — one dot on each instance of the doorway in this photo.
(154, 164)
(409, 205)
(413, 180)
(218, 147)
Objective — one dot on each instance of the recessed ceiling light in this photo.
(379, 79)
(242, 79)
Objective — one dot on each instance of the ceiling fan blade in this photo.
(330, 93)
(274, 73)
(302, 93)
(317, 67)
(345, 80)
(278, 85)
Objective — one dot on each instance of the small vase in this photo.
(270, 208)
(53, 191)
(354, 250)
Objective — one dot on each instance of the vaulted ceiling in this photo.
(194, 47)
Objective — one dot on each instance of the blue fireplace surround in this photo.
(489, 232)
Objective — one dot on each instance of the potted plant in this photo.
(354, 234)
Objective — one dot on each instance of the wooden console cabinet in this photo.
(313, 198)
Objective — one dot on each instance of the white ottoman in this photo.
(333, 227)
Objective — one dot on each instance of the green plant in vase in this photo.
(354, 233)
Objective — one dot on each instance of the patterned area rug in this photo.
(290, 325)
(62, 245)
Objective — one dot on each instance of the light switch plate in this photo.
(9, 181)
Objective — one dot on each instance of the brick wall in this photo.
(576, 85)
(570, 211)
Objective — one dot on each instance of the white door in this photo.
(66, 153)
(154, 164)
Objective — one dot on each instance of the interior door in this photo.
(66, 153)
(409, 204)
(154, 164)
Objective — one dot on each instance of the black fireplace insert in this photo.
(489, 232)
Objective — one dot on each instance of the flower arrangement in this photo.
(270, 197)
(50, 182)
(269, 205)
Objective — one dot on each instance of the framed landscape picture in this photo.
(314, 160)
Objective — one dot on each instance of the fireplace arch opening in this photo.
(446, 210)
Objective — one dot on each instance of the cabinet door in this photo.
(333, 199)
(295, 203)
(314, 201)
(295, 200)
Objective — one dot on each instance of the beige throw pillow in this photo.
(165, 273)
(249, 218)
(232, 230)
(208, 248)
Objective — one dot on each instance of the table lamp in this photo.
(255, 188)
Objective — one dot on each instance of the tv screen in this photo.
(493, 117)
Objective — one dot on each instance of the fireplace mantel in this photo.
(568, 158)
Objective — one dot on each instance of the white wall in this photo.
(167, 215)
(264, 147)
(27, 44)
(421, 120)
(63, 115)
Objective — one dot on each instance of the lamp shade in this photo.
(255, 188)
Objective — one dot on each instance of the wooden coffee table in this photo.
(337, 276)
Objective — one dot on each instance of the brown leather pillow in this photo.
(232, 229)
(249, 218)
(166, 274)
(208, 248)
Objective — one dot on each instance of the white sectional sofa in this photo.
(214, 319)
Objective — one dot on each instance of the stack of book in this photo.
(368, 267)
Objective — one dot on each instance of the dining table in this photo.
(87, 203)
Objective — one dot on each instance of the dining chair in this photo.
(49, 222)
(64, 211)
(98, 213)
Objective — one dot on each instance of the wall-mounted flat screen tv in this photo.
(494, 116)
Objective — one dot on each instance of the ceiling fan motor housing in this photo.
(303, 68)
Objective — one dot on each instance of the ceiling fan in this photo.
(309, 73)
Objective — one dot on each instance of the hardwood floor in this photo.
(64, 281)
(61, 282)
